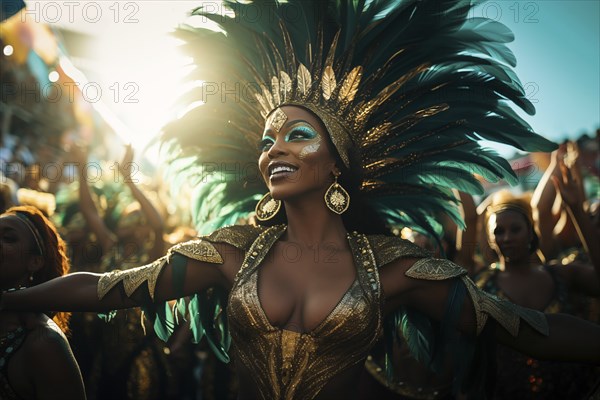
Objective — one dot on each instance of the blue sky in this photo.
(557, 46)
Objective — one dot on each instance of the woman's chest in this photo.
(304, 293)
(536, 291)
(299, 294)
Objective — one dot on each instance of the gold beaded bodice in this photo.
(292, 365)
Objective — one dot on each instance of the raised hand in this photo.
(570, 183)
(79, 153)
(127, 166)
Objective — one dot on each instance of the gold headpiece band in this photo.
(496, 209)
(343, 108)
(34, 231)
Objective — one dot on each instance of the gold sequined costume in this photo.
(290, 365)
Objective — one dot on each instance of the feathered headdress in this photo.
(406, 89)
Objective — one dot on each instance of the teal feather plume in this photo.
(469, 77)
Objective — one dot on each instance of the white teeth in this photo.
(282, 168)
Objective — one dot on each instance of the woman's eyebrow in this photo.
(290, 123)
(287, 125)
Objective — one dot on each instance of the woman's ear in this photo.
(36, 263)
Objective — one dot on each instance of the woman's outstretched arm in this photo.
(154, 282)
(570, 339)
(562, 338)
(72, 292)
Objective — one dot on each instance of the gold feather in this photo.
(328, 82)
(374, 134)
(275, 90)
(364, 111)
(304, 79)
(268, 97)
(392, 88)
(384, 162)
(350, 85)
(372, 184)
(263, 104)
(332, 48)
(286, 85)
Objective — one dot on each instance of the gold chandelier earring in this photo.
(336, 197)
(267, 207)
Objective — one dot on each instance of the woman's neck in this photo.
(519, 265)
(312, 222)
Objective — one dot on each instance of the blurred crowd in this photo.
(535, 244)
(111, 216)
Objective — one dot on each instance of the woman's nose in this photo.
(277, 149)
(506, 236)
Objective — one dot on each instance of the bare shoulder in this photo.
(393, 276)
(394, 257)
(578, 275)
(232, 260)
(45, 339)
(50, 367)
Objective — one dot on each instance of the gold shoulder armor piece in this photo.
(390, 248)
(132, 278)
(507, 314)
(435, 269)
(197, 249)
(238, 236)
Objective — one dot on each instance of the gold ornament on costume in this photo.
(328, 83)
(336, 197)
(277, 119)
(267, 208)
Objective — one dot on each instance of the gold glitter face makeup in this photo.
(277, 119)
(311, 148)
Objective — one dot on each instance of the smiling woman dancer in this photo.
(367, 113)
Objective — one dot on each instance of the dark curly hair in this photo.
(56, 262)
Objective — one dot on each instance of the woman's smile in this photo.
(295, 158)
(280, 170)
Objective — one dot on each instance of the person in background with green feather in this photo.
(361, 115)
(125, 362)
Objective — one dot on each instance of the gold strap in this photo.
(197, 249)
(132, 278)
(435, 269)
